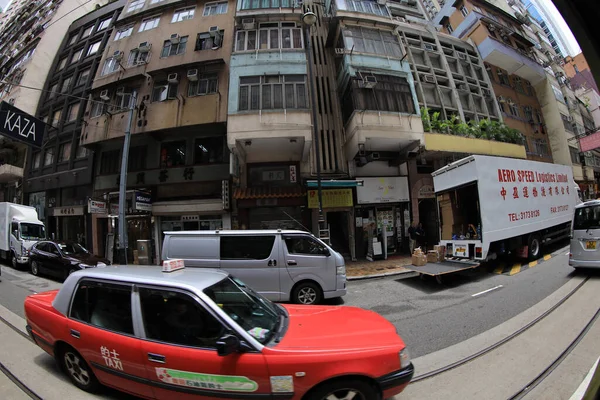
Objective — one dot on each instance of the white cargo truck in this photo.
(490, 206)
(20, 228)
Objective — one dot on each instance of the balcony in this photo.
(9, 173)
(458, 144)
(266, 8)
(362, 9)
(514, 62)
(382, 132)
(274, 135)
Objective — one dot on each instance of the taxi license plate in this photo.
(590, 245)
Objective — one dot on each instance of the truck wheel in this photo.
(344, 389)
(307, 293)
(35, 269)
(534, 247)
(78, 370)
(13, 260)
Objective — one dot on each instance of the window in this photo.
(205, 84)
(82, 78)
(170, 49)
(449, 28)
(87, 32)
(73, 112)
(124, 32)
(64, 152)
(587, 218)
(110, 162)
(528, 88)
(164, 91)
(558, 94)
(518, 84)
(475, 8)
(501, 103)
(37, 159)
(61, 64)
(110, 65)
(567, 123)
(503, 77)
(367, 7)
(540, 147)
(464, 11)
(172, 154)
(255, 4)
(176, 318)
(215, 8)
(76, 56)
(56, 118)
(538, 116)
(574, 155)
(513, 108)
(65, 84)
(105, 305)
(365, 40)
(137, 57)
(149, 23)
(48, 157)
(155, 1)
(81, 151)
(135, 5)
(305, 246)
(53, 91)
(137, 158)
(72, 40)
(124, 99)
(104, 24)
(528, 112)
(209, 150)
(284, 35)
(246, 247)
(205, 41)
(183, 14)
(93, 49)
(272, 92)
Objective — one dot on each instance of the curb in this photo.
(388, 274)
(504, 269)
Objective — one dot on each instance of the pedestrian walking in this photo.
(412, 237)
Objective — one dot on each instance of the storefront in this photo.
(382, 216)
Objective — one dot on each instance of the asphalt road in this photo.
(429, 316)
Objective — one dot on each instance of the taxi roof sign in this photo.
(172, 265)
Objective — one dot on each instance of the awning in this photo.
(183, 207)
(335, 183)
(268, 193)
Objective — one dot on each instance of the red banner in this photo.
(590, 142)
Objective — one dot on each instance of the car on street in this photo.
(202, 333)
(61, 258)
(585, 236)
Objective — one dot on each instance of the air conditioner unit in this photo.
(192, 75)
(144, 47)
(428, 78)
(118, 55)
(382, 2)
(429, 47)
(173, 78)
(104, 95)
(248, 23)
(120, 91)
(213, 30)
(400, 19)
(174, 38)
(369, 81)
(460, 55)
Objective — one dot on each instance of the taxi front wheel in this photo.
(78, 370)
(344, 389)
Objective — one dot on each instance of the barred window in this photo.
(513, 108)
(503, 76)
(272, 92)
(254, 4)
(206, 84)
(519, 85)
(272, 35)
(365, 40)
(528, 112)
(368, 7)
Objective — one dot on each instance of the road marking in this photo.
(533, 264)
(547, 257)
(515, 269)
(485, 291)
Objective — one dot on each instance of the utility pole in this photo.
(123, 242)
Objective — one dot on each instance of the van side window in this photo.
(246, 247)
(305, 245)
(105, 305)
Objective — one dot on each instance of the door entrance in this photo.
(428, 217)
(338, 232)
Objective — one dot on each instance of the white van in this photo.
(282, 265)
(585, 237)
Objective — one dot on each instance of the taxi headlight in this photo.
(404, 359)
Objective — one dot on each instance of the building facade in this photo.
(58, 177)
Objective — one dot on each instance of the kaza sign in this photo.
(21, 126)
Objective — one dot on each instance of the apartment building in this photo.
(579, 73)
(166, 66)
(29, 40)
(58, 177)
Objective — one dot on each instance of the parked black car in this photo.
(62, 258)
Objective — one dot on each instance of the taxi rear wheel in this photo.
(344, 390)
(78, 370)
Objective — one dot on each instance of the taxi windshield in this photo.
(255, 314)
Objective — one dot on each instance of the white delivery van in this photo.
(282, 265)
(20, 229)
(585, 237)
(492, 205)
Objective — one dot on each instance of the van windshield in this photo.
(587, 218)
(33, 231)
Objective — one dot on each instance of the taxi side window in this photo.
(176, 318)
(105, 305)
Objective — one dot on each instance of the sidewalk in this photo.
(365, 269)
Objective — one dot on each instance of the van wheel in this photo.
(307, 293)
(534, 247)
(78, 370)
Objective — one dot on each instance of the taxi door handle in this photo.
(157, 358)
(75, 334)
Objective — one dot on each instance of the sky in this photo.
(4, 3)
(573, 46)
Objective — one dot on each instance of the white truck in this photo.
(489, 206)
(20, 228)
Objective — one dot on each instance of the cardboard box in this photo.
(441, 250)
(419, 260)
(433, 256)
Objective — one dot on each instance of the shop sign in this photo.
(590, 142)
(97, 207)
(143, 201)
(383, 190)
(332, 198)
(293, 177)
(426, 192)
(68, 211)
(19, 125)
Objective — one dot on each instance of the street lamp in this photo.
(309, 19)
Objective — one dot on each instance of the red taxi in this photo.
(201, 333)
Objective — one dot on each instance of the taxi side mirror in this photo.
(227, 345)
